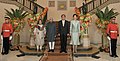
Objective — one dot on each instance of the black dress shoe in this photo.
(65, 51)
(111, 56)
(52, 50)
(49, 50)
(2, 53)
(61, 51)
(6, 53)
(116, 55)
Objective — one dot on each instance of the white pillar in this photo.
(86, 41)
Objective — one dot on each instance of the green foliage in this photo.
(106, 15)
(16, 14)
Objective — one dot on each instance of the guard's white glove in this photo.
(10, 38)
(1, 43)
(108, 38)
(2, 37)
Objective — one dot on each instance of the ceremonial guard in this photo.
(113, 33)
(6, 35)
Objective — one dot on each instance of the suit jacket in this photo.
(50, 31)
(63, 29)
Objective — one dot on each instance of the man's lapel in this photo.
(64, 23)
(61, 23)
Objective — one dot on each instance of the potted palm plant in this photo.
(17, 20)
(102, 22)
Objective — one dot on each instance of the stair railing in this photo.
(31, 5)
(93, 5)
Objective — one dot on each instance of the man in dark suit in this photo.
(63, 30)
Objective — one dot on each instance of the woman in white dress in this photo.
(39, 33)
(75, 32)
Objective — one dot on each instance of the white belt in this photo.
(113, 31)
(6, 30)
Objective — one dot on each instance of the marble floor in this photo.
(103, 57)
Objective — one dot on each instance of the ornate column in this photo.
(86, 41)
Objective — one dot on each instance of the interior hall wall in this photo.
(56, 14)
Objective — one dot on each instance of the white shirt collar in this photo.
(63, 20)
(40, 25)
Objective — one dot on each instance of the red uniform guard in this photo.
(113, 33)
(6, 33)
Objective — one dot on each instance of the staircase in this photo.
(28, 5)
(92, 5)
(56, 55)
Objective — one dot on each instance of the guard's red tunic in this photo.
(7, 29)
(112, 30)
